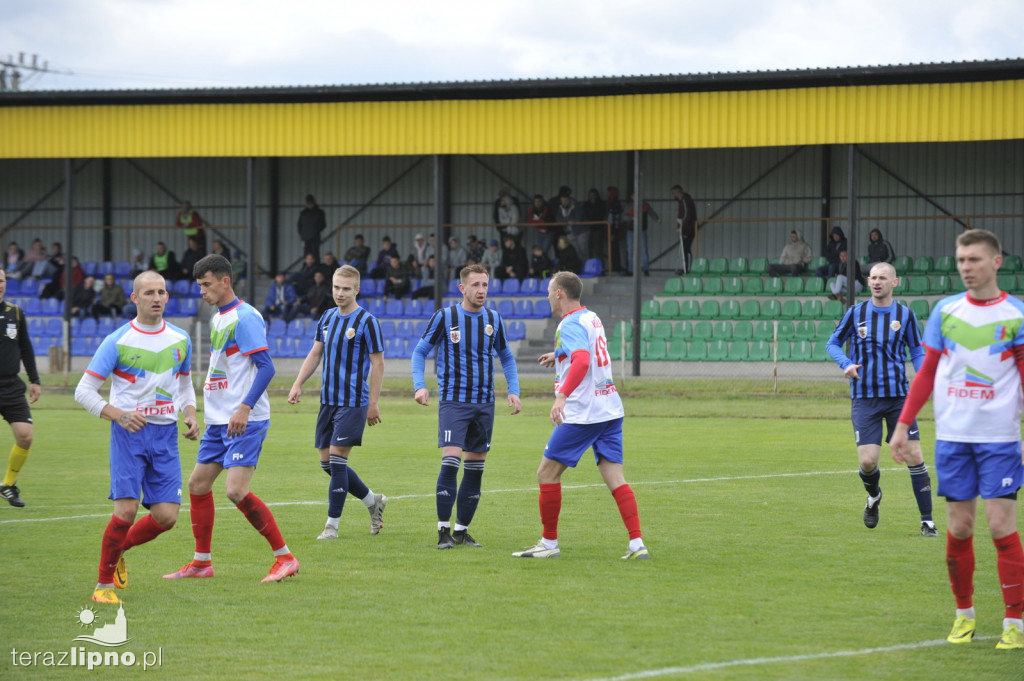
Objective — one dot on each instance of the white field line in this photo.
(683, 481)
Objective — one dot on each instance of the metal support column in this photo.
(274, 199)
(440, 231)
(107, 207)
(69, 248)
(851, 236)
(250, 230)
(638, 223)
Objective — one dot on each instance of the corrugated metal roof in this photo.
(539, 88)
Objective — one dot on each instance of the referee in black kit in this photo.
(15, 349)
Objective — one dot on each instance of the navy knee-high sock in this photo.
(922, 485)
(326, 466)
(469, 491)
(356, 486)
(447, 486)
(338, 487)
(870, 480)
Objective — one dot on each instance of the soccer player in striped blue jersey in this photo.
(880, 332)
(467, 336)
(349, 341)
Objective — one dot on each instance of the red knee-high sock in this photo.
(550, 507)
(960, 563)
(110, 551)
(1010, 564)
(202, 511)
(145, 529)
(626, 500)
(260, 517)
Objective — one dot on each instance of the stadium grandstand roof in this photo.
(947, 72)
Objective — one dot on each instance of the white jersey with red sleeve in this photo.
(595, 399)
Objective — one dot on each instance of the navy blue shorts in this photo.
(340, 426)
(147, 462)
(465, 425)
(569, 441)
(867, 414)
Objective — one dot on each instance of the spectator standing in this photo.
(879, 250)
(508, 218)
(457, 256)
(476, 248)
(539, 215)
(566, 259)
(189, 259)
(629, 219)
(796, 256)
(618, 231)
(191, 224)
(418, 257)
(836, 243)
(491, 258)
(358, 254)
(281, 300)
(37, 262)
(312, 222)
(397, 282)
(14, 264)
(112, 299)
(686, 226)
(594, 209)
(220, 249)
(568, 212)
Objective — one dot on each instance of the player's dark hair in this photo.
(569, 283)
(217, 265)
(980, 236)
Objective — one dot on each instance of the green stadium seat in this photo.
(722, 331)
(940, 285)
(650, 309)
(819, 352)
(787, 330)
(739, 351)
(945, 265)
(698, 351)
(750, 309)
(646, 330)
(824, 330)
(753, 286)
(702, 331)
(920, 308)
(923, 264)
(814, 286)
(920, 286)
(730, 309)
(622, 328)
(771, 309)
(956, 285)
(689, 309)
(811, 309)
(693, 286)
(903, 264)
(791, 309)
(676, 350)
(669, 309)
(794, 286)
(739, 266)
(673, 287)
(1011, 263)
(773, 287)
(710, 309)
(718, 350)
(800, 351)
(1007, 282)
(832, 309)
(862, 260)
(743, 330)
(656, 351)
(732, 286)
(713, 286)
(784, 352)
(662, 331)
(615, 351)
(805, 330)
(761, 351)
(764, 330)
(718, 266)
(682, 330)
(817, 262)
(699, 266)
(759, 266)
(902, 286)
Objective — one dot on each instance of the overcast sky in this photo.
(131, 44)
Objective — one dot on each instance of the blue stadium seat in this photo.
(30, 287)
(529, 288)
(376, 307)
(171, 309)
(524, 308)
(106, 267)
(387, 328)
(421, 328)
(412, 307)
(52, 306)
(91, 268)
(33, 306)
(592, 268)
(515, 331)
(79, 347)
(393, 308)
(122, 269)
(494, 287)
(278, 328)
(13, 287)
(368, 288)
(405, 329)
(54, 327)
(297, 328)
(507, 309)
(303, 346)
(453, 288)
(188, 307)
(182, 287)
(105, 326)
(541, 309)
(510, 287)
(36, 326)
(87, 327)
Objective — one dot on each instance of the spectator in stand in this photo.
(492, 258)
(628, 219)
(112, 299)
(540, 264)
(238, 267)
(55, 289)
(618, 231)
(476, 248)
(138, 263)
(879, 250)
(302, 280)
(796, 256)
(539, 215)
(191, 224)
(555, 201)
(569, 213)
(189, 259)
(431, 249)
(418, 256)
(83, 297)
(843, 275)
(514, 262)
(358, 255)
(329, 265)
(457, 256)
(505, 198)
(56, 255)
(318, 298)
(14, 263)
(508, 218)
(281, 299)
(312, 222)
(686, 226)
(426, 289)
(380, 268)
(397, 282)
(220, 249)
(566, 258)
(836, 243)
(164, 263)
(594, 209)
(36, 262)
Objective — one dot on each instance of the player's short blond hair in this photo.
(980, 236)
(570, 284)
(348, 272)
(473, 269)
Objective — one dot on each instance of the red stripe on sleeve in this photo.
(578, 366)
(921, 387)
(125, 375)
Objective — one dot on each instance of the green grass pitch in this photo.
(761, 569)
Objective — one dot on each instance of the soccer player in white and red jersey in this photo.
(587, 413)
(148, 362)
(237, 414)
(974, 361)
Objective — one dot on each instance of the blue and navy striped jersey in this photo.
(466, 344)
(348, 340)
(879, 340)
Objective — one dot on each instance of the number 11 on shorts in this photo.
(447, 436)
